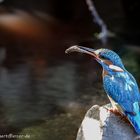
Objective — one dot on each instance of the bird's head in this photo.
(109, 60)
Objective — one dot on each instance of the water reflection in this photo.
(35, 90)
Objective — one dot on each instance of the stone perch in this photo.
(101, 124)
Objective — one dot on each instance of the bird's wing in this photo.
(122, 91)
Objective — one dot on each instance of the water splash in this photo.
(105, 33)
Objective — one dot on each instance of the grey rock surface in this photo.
(100, 124)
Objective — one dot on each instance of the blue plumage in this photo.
(112, 56)
(126, 94)
(123, 89)
(120, 86)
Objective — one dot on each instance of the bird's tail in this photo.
(135, 119)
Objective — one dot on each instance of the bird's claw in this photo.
(116, 112)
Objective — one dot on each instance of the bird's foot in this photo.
(115, 111)
(122, 117)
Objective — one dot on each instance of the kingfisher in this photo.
(119, 85)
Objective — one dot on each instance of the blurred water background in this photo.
(44, 92)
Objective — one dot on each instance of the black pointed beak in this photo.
(85, 50)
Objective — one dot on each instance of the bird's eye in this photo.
(102, 57)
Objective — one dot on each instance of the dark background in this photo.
(44, 92)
